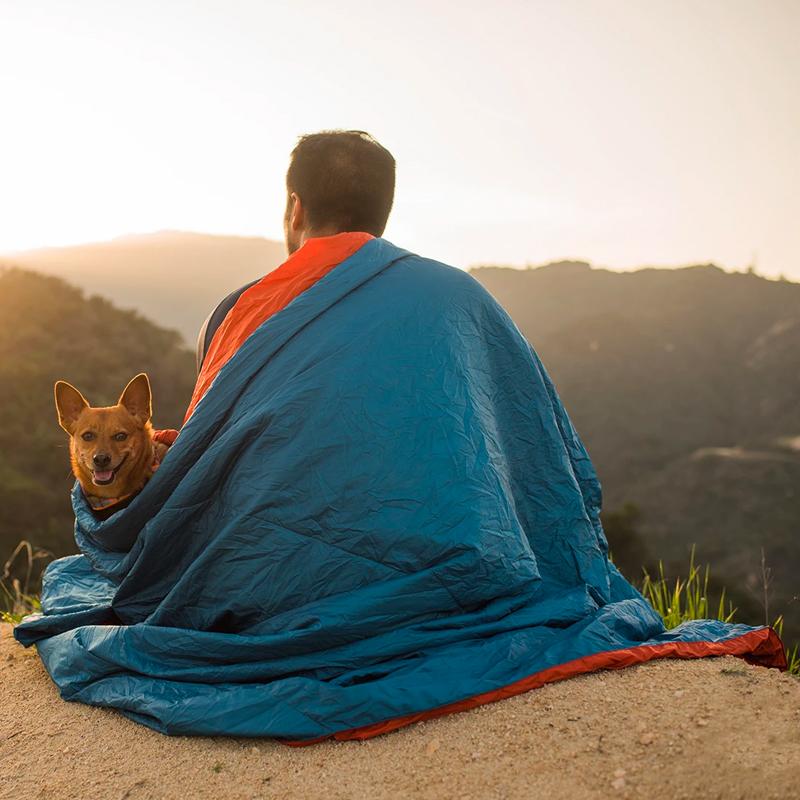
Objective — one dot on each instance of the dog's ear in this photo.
(69, 404)
(137, 398)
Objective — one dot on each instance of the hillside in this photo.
(171, 277)
(706, 729)
(684, 384)
(49, 331)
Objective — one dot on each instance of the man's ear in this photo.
(297, 216)
(137, 398)
(70, 403)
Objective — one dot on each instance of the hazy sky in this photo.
(625, 133)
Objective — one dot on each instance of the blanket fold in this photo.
(378, 509)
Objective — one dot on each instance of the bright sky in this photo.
(626, 133)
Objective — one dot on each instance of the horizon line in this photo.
(528, 265)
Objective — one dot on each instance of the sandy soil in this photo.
(713, 728)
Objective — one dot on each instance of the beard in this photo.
(291, 245)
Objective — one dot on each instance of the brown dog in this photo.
(112, 450)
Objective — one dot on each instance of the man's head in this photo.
(337, 181)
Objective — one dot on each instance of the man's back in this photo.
(214, 320)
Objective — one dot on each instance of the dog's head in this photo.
(110, 447)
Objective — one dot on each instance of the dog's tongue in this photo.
(103, 476)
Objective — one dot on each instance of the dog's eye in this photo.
(87, 436)
(120, 437)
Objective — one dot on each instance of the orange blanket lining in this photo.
(762, 646)
(315, 259)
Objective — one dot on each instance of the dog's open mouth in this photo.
(102, 477)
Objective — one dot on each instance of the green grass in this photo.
(688, 599)
(792, 653)
(18, 605)
(16, 598)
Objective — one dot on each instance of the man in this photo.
(337, 181)
(376, 512)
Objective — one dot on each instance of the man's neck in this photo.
(317, 234)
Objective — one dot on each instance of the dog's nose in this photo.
(101, 460)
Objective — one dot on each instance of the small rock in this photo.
(618, 783)
(432, 746)
(619, 773)
(678, 693)
(702, 722)
(647, 738)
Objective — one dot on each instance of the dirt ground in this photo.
(712, 728)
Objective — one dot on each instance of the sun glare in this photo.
(623, 133)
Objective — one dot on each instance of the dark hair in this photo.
(345, 180)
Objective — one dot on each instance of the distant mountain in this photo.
(49, 331)
(171, 277)
(685, 386)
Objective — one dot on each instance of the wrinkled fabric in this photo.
(379, 507)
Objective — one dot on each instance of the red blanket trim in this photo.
(315, 259)
(166, 436)
(762, 646)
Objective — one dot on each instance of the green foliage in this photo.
(688, 599)
(792, 653)
(16, 597)
(19, 605)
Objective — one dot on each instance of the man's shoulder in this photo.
(416, 282)
(432, 275)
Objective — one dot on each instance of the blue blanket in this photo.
(379, 508)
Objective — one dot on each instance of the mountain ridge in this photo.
(175, 278)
